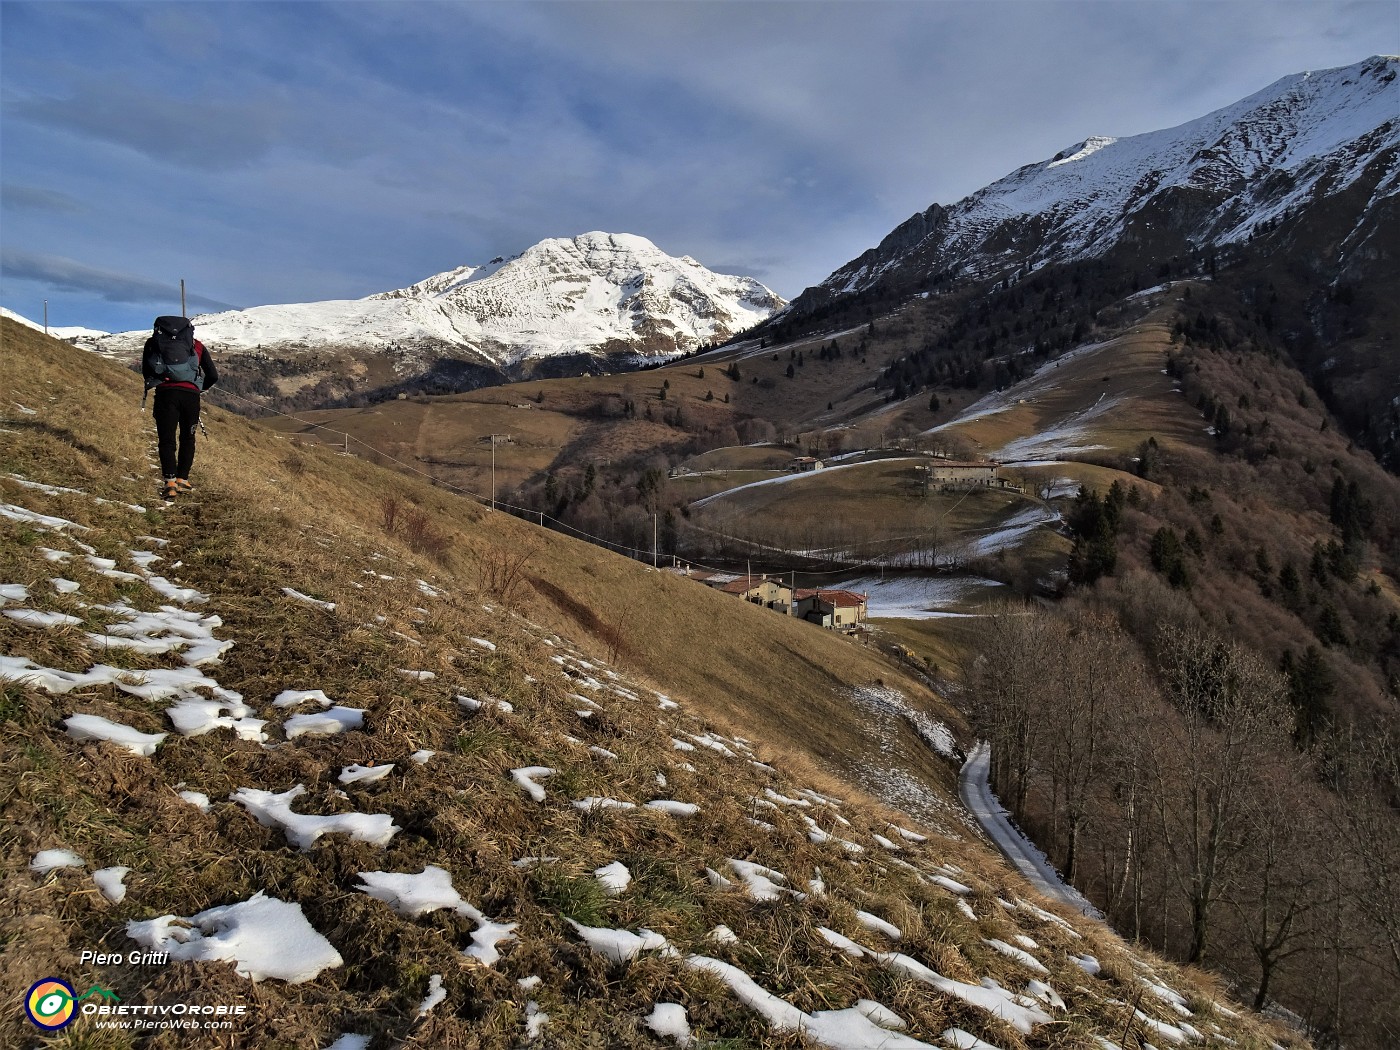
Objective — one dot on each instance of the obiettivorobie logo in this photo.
(51, 1003)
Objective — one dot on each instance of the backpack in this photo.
(174, 358)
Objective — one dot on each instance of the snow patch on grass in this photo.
(303, 829)
(264, 936)
(94, 727)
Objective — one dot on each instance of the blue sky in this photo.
(291, 152)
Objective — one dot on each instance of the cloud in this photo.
(297, 152)
(928, 102)
(203, 133)
(757, 268)
(36, 198)
(72, 276)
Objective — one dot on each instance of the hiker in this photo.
(179, 367)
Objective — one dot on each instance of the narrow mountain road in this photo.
(977, 796)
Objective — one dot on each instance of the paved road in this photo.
(977, 796)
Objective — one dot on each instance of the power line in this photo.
(528, 514)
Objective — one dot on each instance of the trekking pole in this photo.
(201, 428)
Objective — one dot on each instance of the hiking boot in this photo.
(182, 486)
(171, 489)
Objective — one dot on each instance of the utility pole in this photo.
(46, 317)
(493, 471)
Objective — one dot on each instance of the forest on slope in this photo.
(1203, 734)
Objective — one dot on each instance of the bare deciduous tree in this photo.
(1233, 721)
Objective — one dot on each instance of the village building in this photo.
(804, 464)
(961, 474)
(766, 591)
(837, 610)
(760, 590)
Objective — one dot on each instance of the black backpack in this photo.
(174, 358)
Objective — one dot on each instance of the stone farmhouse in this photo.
(961, 474)
(960, 471)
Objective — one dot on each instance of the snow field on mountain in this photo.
(515, 844)
(1304, 136)
(563, 295)
(54, 330)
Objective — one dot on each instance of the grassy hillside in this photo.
(861, 511)
(555, 423)
(473, 895)
(1101, 401)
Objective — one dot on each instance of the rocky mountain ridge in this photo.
(1213, 181)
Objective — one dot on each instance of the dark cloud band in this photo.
(70, 275)
(36, 198)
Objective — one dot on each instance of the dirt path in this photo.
(1023, 854)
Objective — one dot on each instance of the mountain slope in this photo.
(1287, 203)
(431, 836)
(1210, 182)
(68, 335)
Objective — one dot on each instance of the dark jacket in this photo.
(151, 352)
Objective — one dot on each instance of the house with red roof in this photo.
(838, 610)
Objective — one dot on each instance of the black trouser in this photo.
(176, 408)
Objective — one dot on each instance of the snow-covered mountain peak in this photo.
(434, 285)
(618, 257)
(1212, 180)
(594, 293)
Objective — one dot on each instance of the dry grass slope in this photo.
(764, 705)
